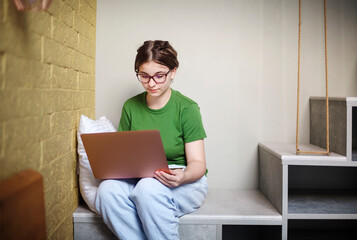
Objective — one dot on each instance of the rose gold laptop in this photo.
(132, 154)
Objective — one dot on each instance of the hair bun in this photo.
(161, 45)
(159, 51)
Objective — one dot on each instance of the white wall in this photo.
(238, 60)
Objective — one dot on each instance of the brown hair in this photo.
(158, 51)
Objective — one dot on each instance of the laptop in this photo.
(131, 154)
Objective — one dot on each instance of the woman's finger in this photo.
(159, 177)
(167, 176)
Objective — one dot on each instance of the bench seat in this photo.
(222, 207)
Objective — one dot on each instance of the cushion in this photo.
(87, 183)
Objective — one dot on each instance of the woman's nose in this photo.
(151, 82)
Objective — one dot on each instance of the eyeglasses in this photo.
(158, 78)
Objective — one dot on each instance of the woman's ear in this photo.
(173, 73)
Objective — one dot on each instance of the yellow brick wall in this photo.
(47, 62)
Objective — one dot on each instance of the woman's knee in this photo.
(148, 189)
(105, 190)
(113, 189)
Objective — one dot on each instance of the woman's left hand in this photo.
(173, 179)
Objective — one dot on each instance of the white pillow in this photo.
(87, 183)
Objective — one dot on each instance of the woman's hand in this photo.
(195, 169)
(173, 179)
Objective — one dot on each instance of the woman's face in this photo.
(152, 68)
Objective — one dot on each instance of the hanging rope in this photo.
(298, 151)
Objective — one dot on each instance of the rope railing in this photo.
(298, 151)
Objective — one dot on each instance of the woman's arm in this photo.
(196, 166)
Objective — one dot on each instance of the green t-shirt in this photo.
(179, 122)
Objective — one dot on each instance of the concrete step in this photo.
(342, 125)
(222, 207)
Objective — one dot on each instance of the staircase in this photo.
(316, 194)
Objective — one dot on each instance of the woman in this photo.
(149, 208)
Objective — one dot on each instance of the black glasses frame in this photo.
(152, 77)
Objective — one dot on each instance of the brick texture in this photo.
(47, 81)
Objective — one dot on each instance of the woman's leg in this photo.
(159, 207)
(190, 196)
(118, 211)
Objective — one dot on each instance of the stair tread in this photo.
(287, 154)
(222, 206)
